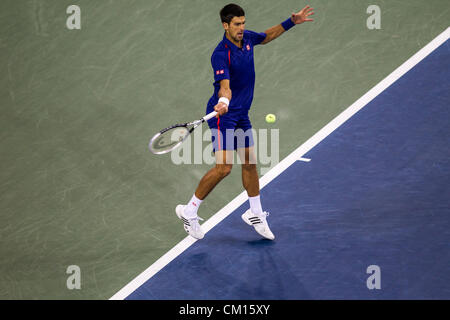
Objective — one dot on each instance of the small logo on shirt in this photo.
(194, 203)
(220, 71)
(248, 47)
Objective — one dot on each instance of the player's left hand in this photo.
(302, 15)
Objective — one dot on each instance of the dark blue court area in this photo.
(376, 192)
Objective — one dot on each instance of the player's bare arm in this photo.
(296, 18)
(224, 92)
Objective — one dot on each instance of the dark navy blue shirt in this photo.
(236, 64)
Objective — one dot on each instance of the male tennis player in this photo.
(234, 82)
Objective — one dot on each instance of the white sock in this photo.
(255, 204)
(191, 208)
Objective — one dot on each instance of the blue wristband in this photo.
(287, 24)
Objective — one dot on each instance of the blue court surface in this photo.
(376, 192)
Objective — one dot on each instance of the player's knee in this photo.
(248, 166)
(224, 169)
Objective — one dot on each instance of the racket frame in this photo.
(194, 125)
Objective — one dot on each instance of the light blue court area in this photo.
(376, 192)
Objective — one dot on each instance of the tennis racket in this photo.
(172, 137)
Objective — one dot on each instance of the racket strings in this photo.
(168, 139)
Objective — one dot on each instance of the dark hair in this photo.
(230, 11)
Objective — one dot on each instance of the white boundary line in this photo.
(284, 164)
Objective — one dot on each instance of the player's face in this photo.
(236, 28)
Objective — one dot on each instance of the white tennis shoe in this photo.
(191, 225)
(259, 222)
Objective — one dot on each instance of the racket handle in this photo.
(209, 116)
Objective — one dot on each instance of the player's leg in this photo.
(245, 150)
(223, 146)
(255, 216)
(250, 179)
(223, 151)
(224, 164)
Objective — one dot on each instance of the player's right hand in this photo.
(221, 108)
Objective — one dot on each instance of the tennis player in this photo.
(234, 82)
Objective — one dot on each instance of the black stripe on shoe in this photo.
(185, 221)
(255, 220)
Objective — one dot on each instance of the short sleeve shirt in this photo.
(236, 64)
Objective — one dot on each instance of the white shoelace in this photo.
(194, 222)
(263, 215)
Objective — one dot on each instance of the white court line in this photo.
(284, 164)
(304, 159)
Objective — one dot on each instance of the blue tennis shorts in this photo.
(231, 131)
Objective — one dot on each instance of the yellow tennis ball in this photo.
(270, 118)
